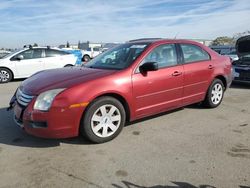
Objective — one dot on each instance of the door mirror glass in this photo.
(148, 66)
(19, 57)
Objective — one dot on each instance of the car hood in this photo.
(61, 78)
(243, 45)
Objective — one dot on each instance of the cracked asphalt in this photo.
(193, 147)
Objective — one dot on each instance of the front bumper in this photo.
(59, 122)
(241, 74)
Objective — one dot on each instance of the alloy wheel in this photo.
(4, 76)
(106, 121)
(217, 93)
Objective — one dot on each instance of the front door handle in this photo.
(210, 66)
(176, 73)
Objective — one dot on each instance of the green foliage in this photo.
(67, 45)
(238, 35)
(79, 44)
(223, 41)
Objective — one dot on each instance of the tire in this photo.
(103, 120)
(5, 75)
(214, 94)
(86, 58)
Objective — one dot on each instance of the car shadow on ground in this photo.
(11, 134)
(126, 184)
(19, 80)
(153, 116)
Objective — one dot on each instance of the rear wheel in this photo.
(86, 58)
(5, 75)
(103, 120)
(215, 94)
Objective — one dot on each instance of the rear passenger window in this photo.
(96, 49)
(193, 53)
(54, 53)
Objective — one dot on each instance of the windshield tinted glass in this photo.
(246, 56)
(10, 54)
(119, 57)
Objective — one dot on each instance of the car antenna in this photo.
(176, 35)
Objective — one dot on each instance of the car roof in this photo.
(159, 40)
(41, 47)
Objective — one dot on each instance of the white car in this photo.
(24, 63)
(4, 53)
(90, 53)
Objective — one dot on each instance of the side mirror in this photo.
(149, 66)
(19, 57)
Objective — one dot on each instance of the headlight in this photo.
(45, 99)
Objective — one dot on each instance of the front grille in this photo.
(22, 98)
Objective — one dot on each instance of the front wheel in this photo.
(215, 94)
(5, 75)
(103, 120)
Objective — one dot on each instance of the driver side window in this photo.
(29, 54)
(164, 55)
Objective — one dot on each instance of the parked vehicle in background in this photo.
(4, 53)
(233, 55)
(241, 67)
(24, 63)
(77, 53)
(227, 50)
(131, 81)
(223, 49)
(90, 53)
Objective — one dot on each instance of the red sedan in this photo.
(131, 81)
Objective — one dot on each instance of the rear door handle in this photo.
(210, 66)
(176, 73)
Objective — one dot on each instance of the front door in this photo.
(30, 63)
(161, 90)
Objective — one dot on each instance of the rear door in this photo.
(198, 71)
(57, 59)
(159, 90)
(31, 63)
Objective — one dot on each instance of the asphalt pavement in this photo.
(192, 147)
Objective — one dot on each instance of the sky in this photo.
(54, 22)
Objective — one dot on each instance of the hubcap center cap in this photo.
(106, 120)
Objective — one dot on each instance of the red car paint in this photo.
(142, 95)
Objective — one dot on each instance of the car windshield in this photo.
(118, 58)
(10, 54)
(246, 57)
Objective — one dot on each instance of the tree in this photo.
(238, 35)
(67, 45)
(35, 45)
(223, 41)
(79, 44)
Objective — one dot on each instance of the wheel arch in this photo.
(68, 65)
(223, 79)
(121, 99)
